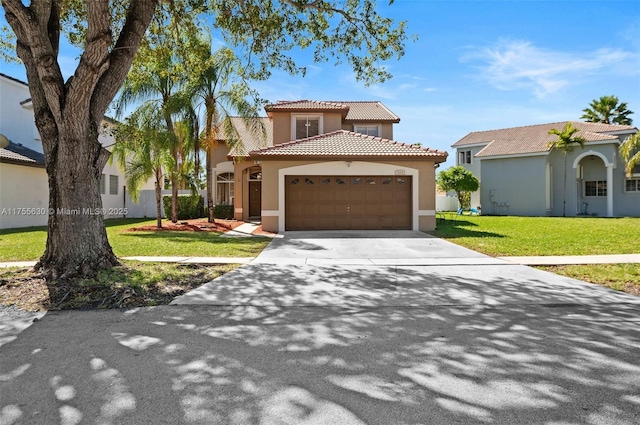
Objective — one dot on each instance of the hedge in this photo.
(223, 212)
(189, 206)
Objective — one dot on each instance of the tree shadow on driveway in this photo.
(414, 352)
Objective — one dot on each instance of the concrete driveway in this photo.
(341, 328)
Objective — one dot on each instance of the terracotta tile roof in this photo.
(300, 105)
(535, 138)
(342, 143)
(255, 134)
(369, 111)
(353, 111)
(17, 153)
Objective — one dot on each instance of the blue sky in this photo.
(480, 65)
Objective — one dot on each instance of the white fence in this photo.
(446, 203)
(146, 205)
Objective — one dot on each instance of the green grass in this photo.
(523, 236)
(29, 243)
(621, 277)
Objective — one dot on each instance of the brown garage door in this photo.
(347, 202)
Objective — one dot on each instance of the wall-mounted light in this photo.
(348, 163)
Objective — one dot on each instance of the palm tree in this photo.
(630, 153)
(565, 142)
(141, 149)
(153, 81)
(218, 88)
(606, 110)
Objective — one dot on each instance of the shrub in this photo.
(223, 211)
(189, 206)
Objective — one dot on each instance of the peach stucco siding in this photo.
(422, 172)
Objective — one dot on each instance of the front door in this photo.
(255, 198)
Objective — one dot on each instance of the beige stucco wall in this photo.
(282, 124)
(219, 154)
(423, 183)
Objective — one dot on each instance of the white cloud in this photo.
(511, 65)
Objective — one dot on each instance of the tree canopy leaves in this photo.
(459, 180)
(630, 153)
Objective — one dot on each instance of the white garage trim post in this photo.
(348, 168)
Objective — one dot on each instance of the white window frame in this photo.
(226, 178)
(113, 188)
(357, 127)
(464, 153)
(584, 188)
(295, 117)
(637, 179)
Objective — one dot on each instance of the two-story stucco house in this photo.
(24, 190)
(328, 165)
(520, 175)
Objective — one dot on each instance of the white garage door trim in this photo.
(348, 168)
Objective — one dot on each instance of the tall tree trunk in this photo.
(158, 199)
(196, 152)
(68, 116)
(564, 188)
(76, 239)
(210, 204)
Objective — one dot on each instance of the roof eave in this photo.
(342, 157)
(13, 161)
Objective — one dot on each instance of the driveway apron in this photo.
(387, 268)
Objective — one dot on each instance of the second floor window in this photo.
(464, 157)
(304, 126)
(369, 130)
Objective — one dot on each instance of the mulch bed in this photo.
(194, 225)
(197, 225)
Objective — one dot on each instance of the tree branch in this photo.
(93, 63)
(121, 56)
(25, 23)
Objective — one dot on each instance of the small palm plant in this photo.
(565, 142)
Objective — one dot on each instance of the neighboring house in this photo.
(520, 175)
(327, 165)
(24, 192)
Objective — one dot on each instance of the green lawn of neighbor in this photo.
(509, 236)
(29, 243)
(525, 236)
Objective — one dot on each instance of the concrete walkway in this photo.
(551, 260)
(156, 259)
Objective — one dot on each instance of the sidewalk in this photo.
(183, 260)
(550, 260)
(562, 260)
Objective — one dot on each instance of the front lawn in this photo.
(523, 236)
(621, 277)
(29, 243)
